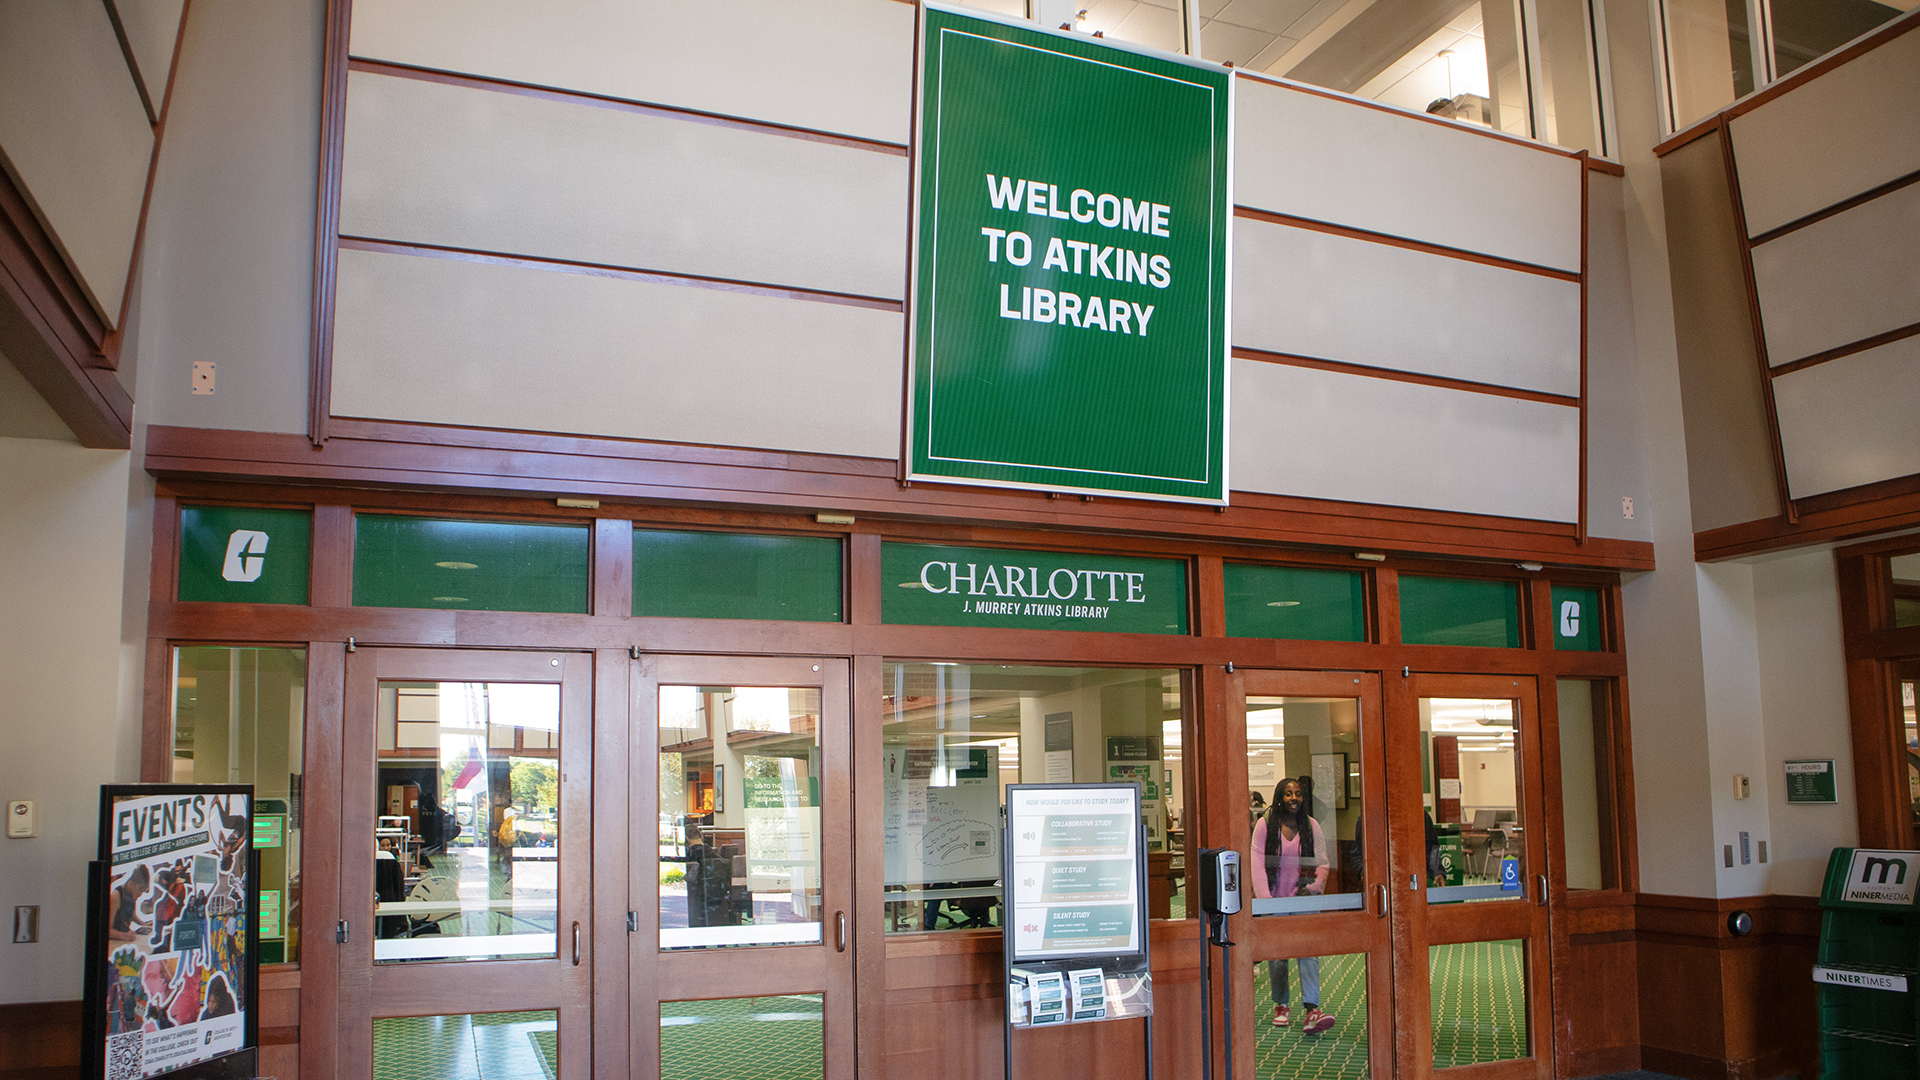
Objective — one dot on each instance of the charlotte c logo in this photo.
(1570, 619)
(246, 556)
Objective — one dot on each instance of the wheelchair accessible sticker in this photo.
(1509, 875)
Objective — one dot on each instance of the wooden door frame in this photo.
(1342, 933)
(1414, 930)
(365, 669)
(776, 969)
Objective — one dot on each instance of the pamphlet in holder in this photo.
(1076, 947)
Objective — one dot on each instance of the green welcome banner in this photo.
(1070, 264)
(938, 585)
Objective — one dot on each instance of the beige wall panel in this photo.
(229, 250)
(1326, 435)
(63, 535)
(1312, 156)
(1729, 448)
(24, 414)
(1617, 465)
(833, 65)
(449, 342)
(450, 166)
(1847, 131)
(1314, 294)
(73, 132)
(152, 27)
(1843, 279)
(1850, 421)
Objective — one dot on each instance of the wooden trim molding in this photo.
(326, 244)
(364, 453)
(1840, 207)
(1315, 225)
(1707, 125)
(1833, 516)
(1874, 342)
(1395, 375)
(620, 104)
(623, 273)
(52, 333)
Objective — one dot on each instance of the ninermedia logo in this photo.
(246, 555)
(1881, 877)
(1570, 618)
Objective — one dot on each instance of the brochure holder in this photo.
(1075, 947)
(1868, 964)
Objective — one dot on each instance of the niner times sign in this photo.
(1070, 265)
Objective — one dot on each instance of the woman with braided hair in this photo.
(1290, 859)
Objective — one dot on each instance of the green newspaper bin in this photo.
(1869, 965)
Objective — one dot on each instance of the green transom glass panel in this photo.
(710, 575)
(245, 554)
(1576, 618)
(418, 562)
(1299, 603)
(1459, 611)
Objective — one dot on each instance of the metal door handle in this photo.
(576, 944)
(1382, 912)
(1541, 881)
(840, 931)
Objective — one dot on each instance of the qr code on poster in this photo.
(123, 1056)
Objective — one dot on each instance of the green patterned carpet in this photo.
(1479, 1002)
(488, 1046)
(1337, 1054)
(765, 1038)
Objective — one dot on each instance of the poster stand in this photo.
(171, 987)
(1075, 945)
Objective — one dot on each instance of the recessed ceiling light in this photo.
(450, 600)
(911, 585)
(453, 565)
(1283, 603)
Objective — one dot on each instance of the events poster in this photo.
(172, 932)
(1078, 870)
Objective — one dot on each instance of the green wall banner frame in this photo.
(1069, 306)
(1811, 781)
(245, 554)
(938, 585)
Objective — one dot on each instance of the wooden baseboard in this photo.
(39, 1040)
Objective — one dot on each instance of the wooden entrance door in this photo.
(1469, 877)
(741, 872)
(465, 871)
(1411, 941)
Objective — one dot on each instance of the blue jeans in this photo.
(1309, 980)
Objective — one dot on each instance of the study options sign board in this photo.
(1070, 269)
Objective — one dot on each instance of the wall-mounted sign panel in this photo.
(1070, 293)
(245, 554)
(1812, 781)
(1576, 618)
(936, 585)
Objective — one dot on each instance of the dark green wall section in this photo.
(415, 562)
(245, 554)
(1576, 628)
(1296, 603)
(1459, 611)
(705, 575)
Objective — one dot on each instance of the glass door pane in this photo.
(1476, 832)
(739, 816)
(741, 943)
(1318, 934)
(467, 781)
